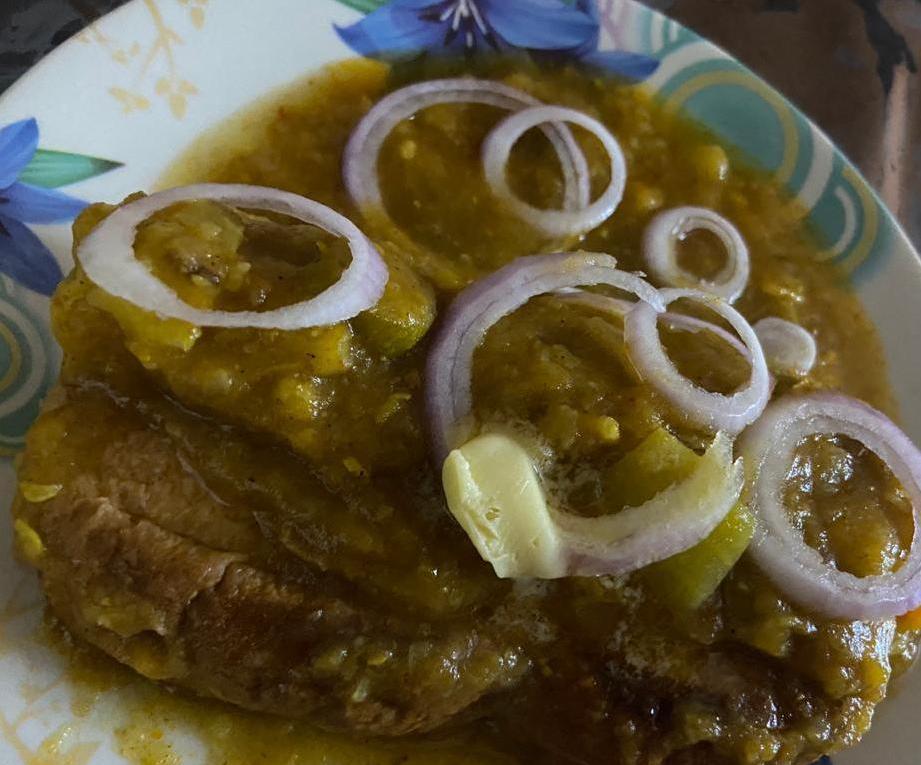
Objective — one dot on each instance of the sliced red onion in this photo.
(498, 146)
(796, 568)
(678, 321)
(715, 411)
(788, 348)
(477, 308)
(364, 145)
(685, 323)
(671, 522)
(660, 250)
(107, 257)
(616, 307)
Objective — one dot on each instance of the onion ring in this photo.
(730, 413)
(498, 146)
(669, 226)
(485, 302)
(365, 142)
(672, 521)
(107, 257)
(677, 321)
(788, 348)
(796, 568)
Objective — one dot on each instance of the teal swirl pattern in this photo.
(769, 131)
(28, 362)
(29, 271)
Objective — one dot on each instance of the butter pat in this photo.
(39, 492)
(28, 542)
(495, 494)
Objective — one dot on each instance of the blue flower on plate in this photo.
(23, 256)
(558, 28)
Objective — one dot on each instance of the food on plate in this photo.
(431, 397)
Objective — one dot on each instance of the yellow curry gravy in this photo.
(314, 441)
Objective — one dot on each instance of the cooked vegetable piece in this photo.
(403, 315)
(659, 461)
(687, 579)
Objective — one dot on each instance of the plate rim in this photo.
(124, 13)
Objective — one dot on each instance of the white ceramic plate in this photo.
(115, 105)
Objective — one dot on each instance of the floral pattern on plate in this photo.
(28, 180)
(544, 28)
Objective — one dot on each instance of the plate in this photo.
(116, 104)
